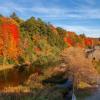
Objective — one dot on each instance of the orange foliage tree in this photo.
(9, 38)
(88, 42)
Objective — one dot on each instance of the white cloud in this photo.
(54, 12)
(89, 31)
(64, 13)
(81, 12)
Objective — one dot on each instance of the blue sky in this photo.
(81, 16)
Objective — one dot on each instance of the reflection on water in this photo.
(12, 77)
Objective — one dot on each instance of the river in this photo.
(96, 94)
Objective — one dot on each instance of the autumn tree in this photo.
(16, 18)
(1, 15)
(88, 42)
(29, 25)
(9, 34)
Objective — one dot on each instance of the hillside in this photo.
(33, 39)
(33, 52)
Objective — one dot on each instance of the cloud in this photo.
(7, 8)
(81, 10)
(89, 31)
(54, 12)
(63, 13)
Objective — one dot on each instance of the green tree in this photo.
(16, 18)
(1, 15)
(30, 26)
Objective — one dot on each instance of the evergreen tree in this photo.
(16, 18)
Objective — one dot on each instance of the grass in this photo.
(97, 65)
(5, 67)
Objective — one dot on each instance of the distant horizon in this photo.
(80, 16)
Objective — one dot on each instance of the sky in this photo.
(80, 16)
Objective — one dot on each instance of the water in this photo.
(11, 78)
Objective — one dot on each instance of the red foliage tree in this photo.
(69, 41)
(88, 42)
(71, 33)
(9, 34)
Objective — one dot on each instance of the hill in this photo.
(34, 41)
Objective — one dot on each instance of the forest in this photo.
(32, 51)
